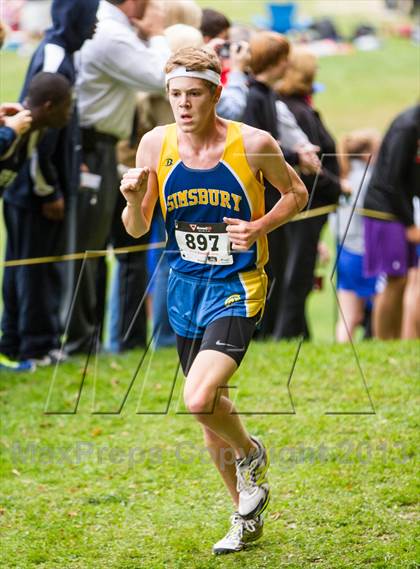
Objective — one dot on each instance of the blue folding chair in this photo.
(282, 16)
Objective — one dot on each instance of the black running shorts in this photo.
(230, 335)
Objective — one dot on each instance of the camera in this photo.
(223, 50)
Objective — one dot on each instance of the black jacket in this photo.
(324, 189)
(396, 176)
(260, 112)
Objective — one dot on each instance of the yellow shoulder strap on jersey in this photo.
(169, 158)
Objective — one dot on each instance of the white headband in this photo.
(207, 74)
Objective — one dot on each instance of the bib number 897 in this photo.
(202, 242)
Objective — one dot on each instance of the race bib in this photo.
(205, 243)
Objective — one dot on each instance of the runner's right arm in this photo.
(139, 185)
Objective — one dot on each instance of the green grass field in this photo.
(135, 490)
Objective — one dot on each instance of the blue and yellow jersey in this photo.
(194, 202)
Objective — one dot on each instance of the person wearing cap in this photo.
(207, 174)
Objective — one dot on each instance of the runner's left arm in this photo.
(265, 156)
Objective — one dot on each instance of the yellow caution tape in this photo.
(331, 208)
(81, 256)
(314, 212)
(375, 214)
(136, 248)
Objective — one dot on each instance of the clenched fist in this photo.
(134, 185)
(242, 234)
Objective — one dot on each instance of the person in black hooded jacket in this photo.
(324, 190)
(45, 190)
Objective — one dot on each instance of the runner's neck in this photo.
(203, 146)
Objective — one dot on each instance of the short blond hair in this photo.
(194, 59)
(181, 35)
(267, 49)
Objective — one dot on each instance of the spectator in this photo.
(391, 244)
(234, 58)
(269, 56)
(214, 24)
(269, 60)
(73, 22)
(294, 141)
(296, 91)
(232, 102)
(355, 292)
(110, 76)
(31, 293)
(215, 28)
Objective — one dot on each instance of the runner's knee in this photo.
(202, 400)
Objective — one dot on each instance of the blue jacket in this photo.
(57, 158)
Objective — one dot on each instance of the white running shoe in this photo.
(240, 534)
(252, 483)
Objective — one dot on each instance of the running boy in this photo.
(207, 174)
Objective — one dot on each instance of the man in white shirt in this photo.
(127, 54)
